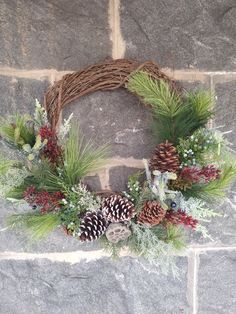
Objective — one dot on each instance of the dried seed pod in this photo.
(117, 232)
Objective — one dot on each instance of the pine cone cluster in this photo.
(165, 158)
(114, 209)
(92, 226)
(152, 213)
(117, 208)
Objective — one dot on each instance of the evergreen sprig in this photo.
(80, 158)
(37, 225)
(214, 190)
(174, 117)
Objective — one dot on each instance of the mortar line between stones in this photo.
(193, 263)
(181, 74)
(77, 256)
(118, 43)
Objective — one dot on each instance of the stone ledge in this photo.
(91, 255)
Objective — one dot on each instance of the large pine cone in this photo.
(117, 208)
(93, 226)
(152, 213)
(165, 158)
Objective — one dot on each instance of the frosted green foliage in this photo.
(40, 114)
(134, 188)
(78, 200)
(11, 179)
(204, 232)
(65, 128)
(201, 147)
(197, 208)
(146, 243)
(84, 199)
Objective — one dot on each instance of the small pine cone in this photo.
(117, 208)
(152, 213)
(92, 226)
(180, 184)
(165, 158)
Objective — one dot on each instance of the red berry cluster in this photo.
(199, 175)
(42, 199)
(52, 151)
(179, 217)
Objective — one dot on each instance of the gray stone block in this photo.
(111, 287)
(119, 177)
(217, 283)
(46, 34)
(93, 183)
(193, 87)
(221, 229)
(181, 34)
(226, 109)
(117, 118)
(17, 95)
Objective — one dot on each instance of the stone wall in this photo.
(195, 43)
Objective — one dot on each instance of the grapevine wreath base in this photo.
(192, 166)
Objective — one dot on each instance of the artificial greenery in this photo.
(200, 148)
(80, 158)
(36, 225)
(217, 189)
(18, 130)
(175, 116)
(149, 219)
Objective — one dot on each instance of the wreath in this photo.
(192, 166)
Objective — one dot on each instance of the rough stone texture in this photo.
(18, 94)
(217, 283)
(116, 118)
(119, 177)
(221, 229)
(181, 34)
(195, 86)
(50, 34)
(93, 183)
(226, 109)
(126, 286)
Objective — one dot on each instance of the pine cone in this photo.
(180, 184)
(152, 213)
(165, 158)
(117, 208)
(92, 226)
